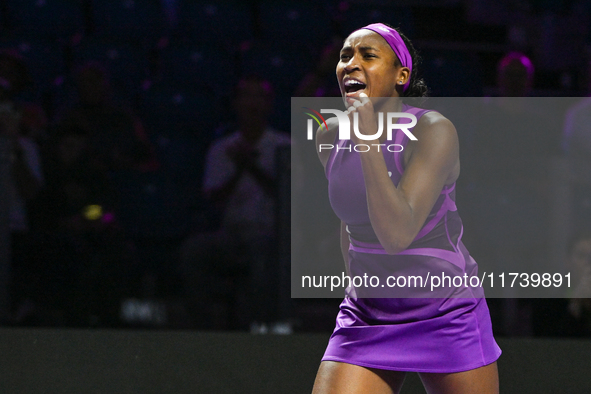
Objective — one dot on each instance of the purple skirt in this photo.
(440, 335)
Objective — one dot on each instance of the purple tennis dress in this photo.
(417, 333)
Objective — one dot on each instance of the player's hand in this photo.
(367, 123)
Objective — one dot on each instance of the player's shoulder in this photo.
(430, 118)
(434, 124)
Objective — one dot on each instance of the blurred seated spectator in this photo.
(34, 122)
(509, 190)
(576, 138)
(26, 163)
(87, 250)
(579, 305)
(116, 138)
(569, 316)
(515, 75)
(26, 176)
(576, 145)
(75, 181)
(321, 81)
(82, 254)
(240, 181)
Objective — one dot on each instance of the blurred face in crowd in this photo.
(514, 77)
(253, 102)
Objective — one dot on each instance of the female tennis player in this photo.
(398, 213)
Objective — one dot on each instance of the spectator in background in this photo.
(579, 304)
(26, 174)
(571, 315)
(515, 75)
(82, 247)
(116, 138)
(508, 169)
(26, 163)
(576, 143)
(240, 181)
(34, 122)
(99, 149)
(319, 82)
(97, 146)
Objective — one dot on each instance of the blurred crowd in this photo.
(143, 182)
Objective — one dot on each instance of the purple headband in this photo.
(393, 38)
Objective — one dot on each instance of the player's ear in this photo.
(402, 76)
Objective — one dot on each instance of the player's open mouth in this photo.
(353, 87)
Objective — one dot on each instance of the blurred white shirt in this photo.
(249, 211)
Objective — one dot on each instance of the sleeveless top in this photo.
(439, 237)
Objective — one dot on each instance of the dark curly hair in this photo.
(417, 86)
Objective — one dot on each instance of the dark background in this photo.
(173, 63)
